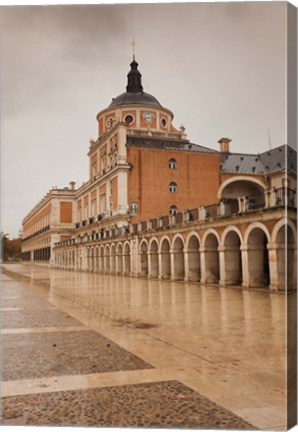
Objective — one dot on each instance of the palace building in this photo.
(157, 205)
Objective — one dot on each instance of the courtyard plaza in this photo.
(86, 349)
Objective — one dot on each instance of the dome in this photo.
(134, 90)
(129, 98)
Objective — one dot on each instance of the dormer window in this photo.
(172, 164)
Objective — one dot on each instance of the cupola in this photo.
(134, 94)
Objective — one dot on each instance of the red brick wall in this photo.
(197, 178)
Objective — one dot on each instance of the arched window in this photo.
(173, 210)
(173, 187)
(172, 164)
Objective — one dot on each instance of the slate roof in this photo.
(263, 163)
(140, 98)
(167, 144)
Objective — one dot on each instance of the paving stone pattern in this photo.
(25, 303)
(36, 318)
(34, 355)
(159, 405)
(13, 295)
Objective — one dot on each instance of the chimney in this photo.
(224, 145)
(72, 185)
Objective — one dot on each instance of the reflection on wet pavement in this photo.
(227, 344)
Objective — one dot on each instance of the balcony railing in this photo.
(256, 201)
(212, 211)
(275, 198)
(37, 233)
(285, 197)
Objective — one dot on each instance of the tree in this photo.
(10, 249)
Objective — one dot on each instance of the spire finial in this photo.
(133, 44)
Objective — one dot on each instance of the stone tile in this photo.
(36, 318)
(25, 303)
(36, 355)
(159, 405)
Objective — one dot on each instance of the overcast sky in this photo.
(220, 67)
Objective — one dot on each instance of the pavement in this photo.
(104, 351)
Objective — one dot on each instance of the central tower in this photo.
(139, 111)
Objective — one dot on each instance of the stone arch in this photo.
(226, 232)
(165, 257)
(251, 227)
(235, 179)
(280, 224)
(107, 259)
(153, 258)
(210, 250)
(192, 247)
(284, 244)
(126, 252)
(119, 258)
(144, 257)
(113, 258)
(102, 259)
(178, 272)
(232, 263)
(92, 259)
(257, 238)
(97, 263)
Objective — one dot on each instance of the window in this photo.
(172, 164)
(110, 122)
(102, 203)
(103, 165)
(94, 171)
(173, 187)
(173, 210)
(164, 122)
(93, 207)
(128, 119)
(133, 208)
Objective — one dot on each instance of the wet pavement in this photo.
(97, 350)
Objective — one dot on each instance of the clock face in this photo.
(148, 117)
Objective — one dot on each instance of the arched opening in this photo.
(211, 259)
(242, 188)
(97, 263)
(172, 164)
(173, 210)
(91, 260)
(144, 259)
(232, 259)
(173, 187)
(194, 273)
(127, 259)
(286, 258)
(107, 259)
(165, 259)
(154, 270)
(258, 259)
(178, 271)
(119, 259)
(113, 259)
(102, 260)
